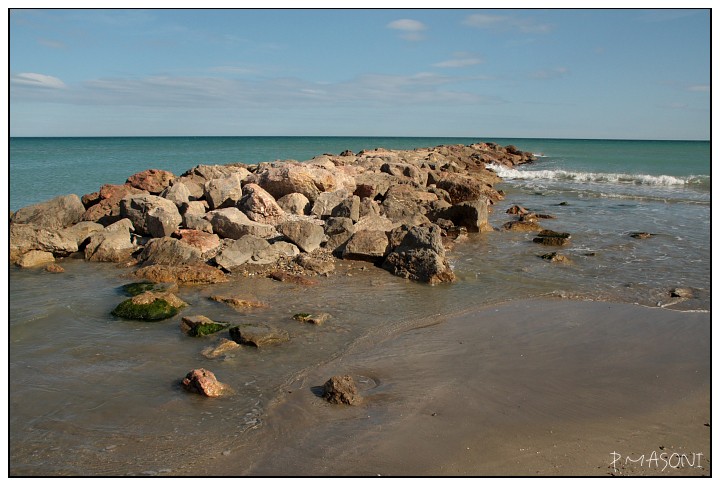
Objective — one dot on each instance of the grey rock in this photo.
(305, 234)
(56, 213)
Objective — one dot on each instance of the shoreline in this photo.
(517, 396)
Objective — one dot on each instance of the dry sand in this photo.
(527, 388)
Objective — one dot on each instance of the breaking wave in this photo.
(700, 182)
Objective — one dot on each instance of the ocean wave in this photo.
(601, 177)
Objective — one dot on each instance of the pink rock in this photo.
(205, 242)
(154, 181)
(203, 381)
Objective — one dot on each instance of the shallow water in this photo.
(91, 394)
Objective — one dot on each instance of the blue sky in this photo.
(480, 73)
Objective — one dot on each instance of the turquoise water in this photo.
(42, 168)
(93, 394)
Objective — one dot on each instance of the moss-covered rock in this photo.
(137, 288)
(149, 306)
(197, 326)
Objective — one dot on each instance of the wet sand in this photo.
(541, 387)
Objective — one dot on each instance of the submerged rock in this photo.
(552, 238)
(258, 335)
(317, 319)
(522, 226)
(137, 288)
(197, 326)
(341, 390)
(149, 306)
(182, 274)
(54, 268)
(641, 235)
(223, 348)
(204, 382)
(35, 258)
(555, 257)
(237, 302)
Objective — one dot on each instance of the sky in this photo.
(557, 73)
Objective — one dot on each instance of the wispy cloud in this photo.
(218, 92)
(699, 88)
(36, 80)
(411, 30)
(507, 23)
(460, 60)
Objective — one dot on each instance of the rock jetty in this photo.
(392, 208)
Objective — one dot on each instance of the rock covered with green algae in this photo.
(149, 306)
(137, 288)
(198, 326)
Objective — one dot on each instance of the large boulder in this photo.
(233, 223)
(35, 258)
(259, 205)
(26, 237)
(308, 179)
(369, 245)
(113, 244)
(473, 215)
(177, 193)
(372, 185)
(338, 231)
(153, 181)
(197, 274)
(326, 202)
(207, 243)
(462, 187)
(169, 251)
(406, 171)
(420, 256)
(81, 231)
(240, 251)
(423, 265)
(347, 208)
(295, 203)
(151, 215)
(224, 193)
(57, 213)
(305, 234)
(274, 252)
(103, 207)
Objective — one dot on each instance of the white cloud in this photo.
(217, 92)
(507, 22)
(410, 29)
(460, 59)
(37, 80)
(699, 88)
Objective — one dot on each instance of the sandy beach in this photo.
(532, 388)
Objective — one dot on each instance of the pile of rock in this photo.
(388, 207)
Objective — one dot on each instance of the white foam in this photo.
(594, 177)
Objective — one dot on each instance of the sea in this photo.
(91, 394)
